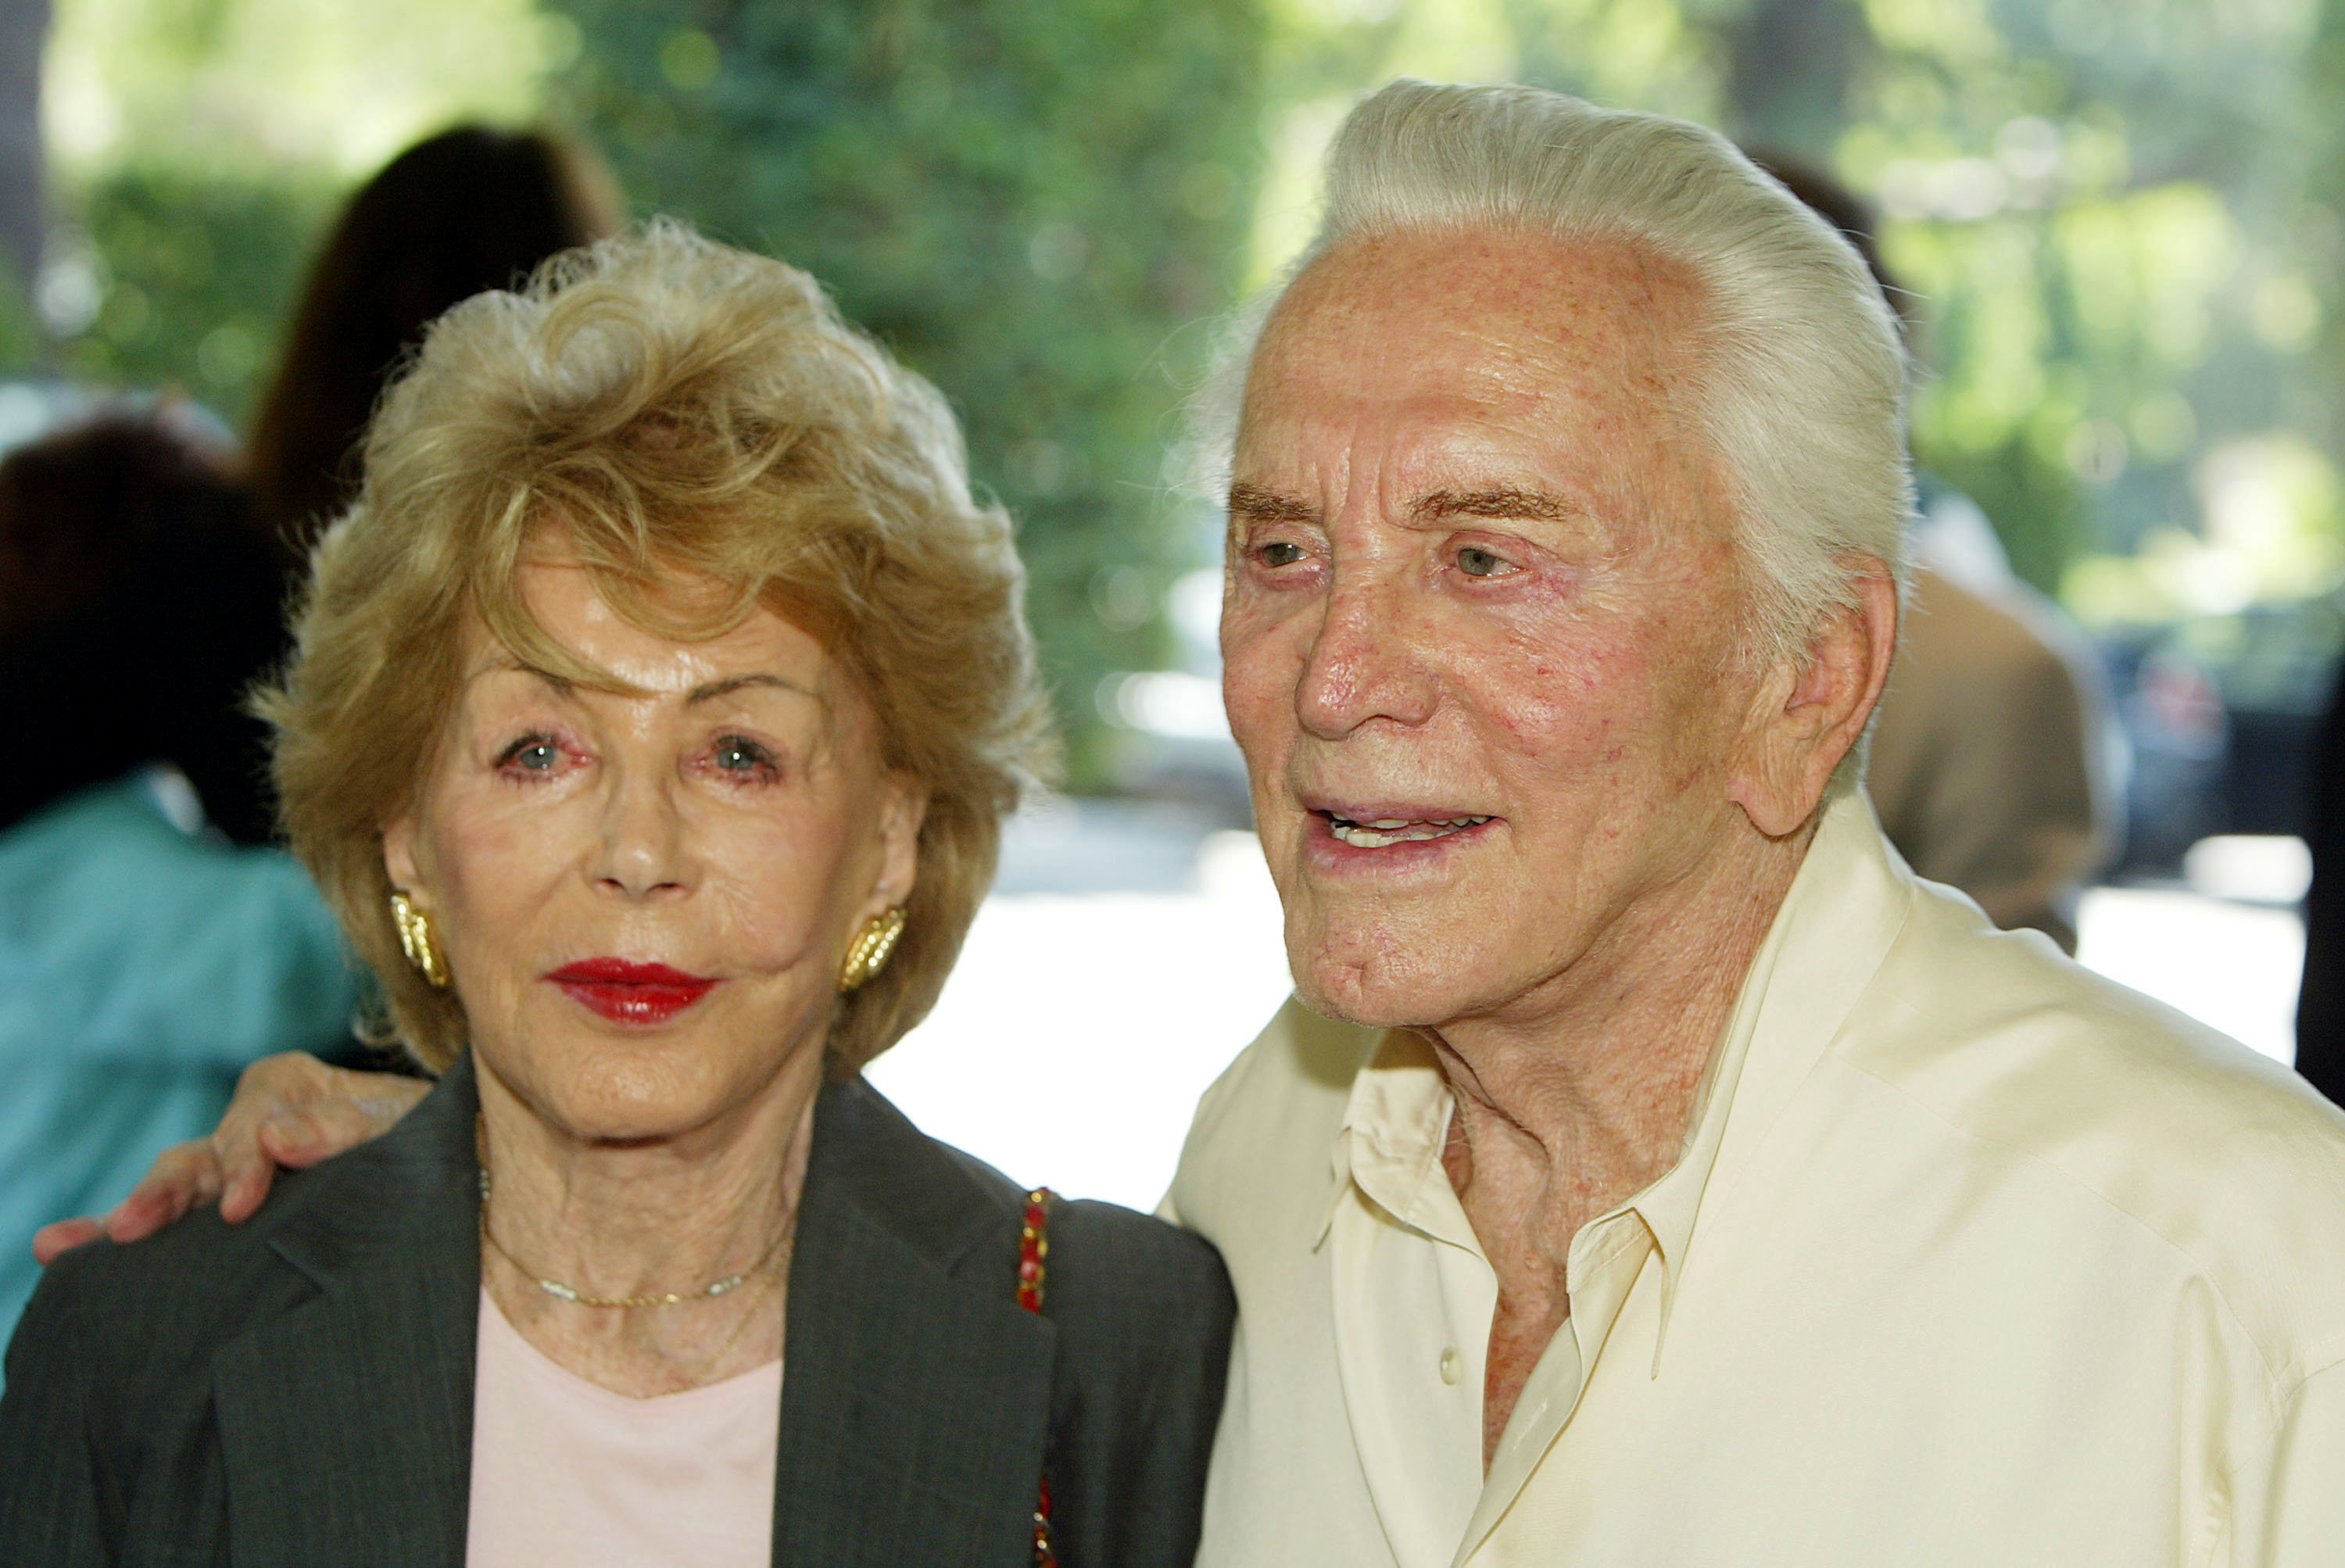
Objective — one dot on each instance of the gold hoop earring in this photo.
(415, 941)
(867, 955)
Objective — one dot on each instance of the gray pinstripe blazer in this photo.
(299, 1389)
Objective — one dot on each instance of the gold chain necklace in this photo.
(576, 1297)
(717, 1358)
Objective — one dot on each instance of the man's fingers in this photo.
(280, 1088)
(295, 1139)
(386, 1097)
(53, 1241)
(183, 1176)
(331, 1123)
(288, 1136)
(285, 1084)
(291, 1110)
(241, 1194)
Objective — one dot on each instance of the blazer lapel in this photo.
(916, 1398)
(346, 1423)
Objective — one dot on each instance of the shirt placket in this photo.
(1414, 1301)
(1606, 1260)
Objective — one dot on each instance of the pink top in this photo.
(564, 1471)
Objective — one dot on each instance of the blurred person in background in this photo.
(151, 945)
(1992, 754)
(2320, 995)
(1651, 1168)
(654, 713)
(471, 208)
(104, 526)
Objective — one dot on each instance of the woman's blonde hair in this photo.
(679, 411)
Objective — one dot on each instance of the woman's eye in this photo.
(1476, 562)
(531, 754)
(1281, 553)
(737, 754)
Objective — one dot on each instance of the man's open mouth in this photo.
(1385, 830)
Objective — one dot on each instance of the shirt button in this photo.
(1453, 1367)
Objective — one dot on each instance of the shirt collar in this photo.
(1844, 908)
(1389, 1142)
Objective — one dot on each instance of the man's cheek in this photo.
(1259, 700)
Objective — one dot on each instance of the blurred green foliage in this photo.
(22, 341)
(2124, 220)
(192, 275)
(1031, 204)
(1034, 204)
(198, 147)
(2121, 219)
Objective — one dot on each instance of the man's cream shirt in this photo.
(1972, 1259)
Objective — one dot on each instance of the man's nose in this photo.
(1366, 662)
(643, 851)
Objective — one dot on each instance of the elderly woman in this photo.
(655, 710)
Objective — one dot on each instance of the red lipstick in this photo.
(628, 992)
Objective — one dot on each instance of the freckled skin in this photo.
(1482, 563)
(1576, 696)
(741, 835)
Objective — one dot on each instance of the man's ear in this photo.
(1808, 718)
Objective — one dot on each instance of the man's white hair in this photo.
(1802, 371)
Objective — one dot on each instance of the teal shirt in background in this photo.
(144, 962)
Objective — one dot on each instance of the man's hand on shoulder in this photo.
(290, 1111)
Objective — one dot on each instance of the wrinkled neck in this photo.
(641, 1217)
(1583, 1091)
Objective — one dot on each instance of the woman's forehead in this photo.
(568, 604)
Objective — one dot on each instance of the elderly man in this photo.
(1683, 1182)
(1652, 1170)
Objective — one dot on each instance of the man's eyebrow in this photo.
(1505, 504)
(1256, 505)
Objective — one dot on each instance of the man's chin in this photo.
(1370, 996)
(1413, 964)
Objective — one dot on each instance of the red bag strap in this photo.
(1034, 1247)
(1033, 1270)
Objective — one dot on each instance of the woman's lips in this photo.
(628, 992)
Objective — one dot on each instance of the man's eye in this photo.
(1479, 563)
(1282, 552)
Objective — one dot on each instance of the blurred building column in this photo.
(23, 202)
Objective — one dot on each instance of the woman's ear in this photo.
(399, 858)
(903, 807)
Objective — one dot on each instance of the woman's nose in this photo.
(1365, 663)
(643, 851)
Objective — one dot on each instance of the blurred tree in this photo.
(198, 145)
(2090, 198)
(1027, 202)
(23, 215)
(2319, 217)
(2102, 205)
(2125, 218)
(187, 275)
